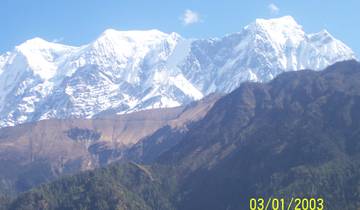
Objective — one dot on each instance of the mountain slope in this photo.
(126, 71)
(120, 186)
(34, 153)
(296, 136)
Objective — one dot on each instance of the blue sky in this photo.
(77, 22)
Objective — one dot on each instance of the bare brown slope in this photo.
(68, 146)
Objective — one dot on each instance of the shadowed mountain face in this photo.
(34, 153)
(297, 136)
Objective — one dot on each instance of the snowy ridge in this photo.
(126, 71)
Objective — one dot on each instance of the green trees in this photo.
(120, 186)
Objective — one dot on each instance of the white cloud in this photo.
(273, 9)
(190, 17)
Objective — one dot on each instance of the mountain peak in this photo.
(129, 42)
(36, 40)
(39, 44)
(133, 35)
(114, 45)
(323, 34)
(285, 20)
(34, 43)
(279, 30)
(42, 56)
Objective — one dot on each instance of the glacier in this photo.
(127, 71)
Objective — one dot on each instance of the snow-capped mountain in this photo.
(125, 71)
